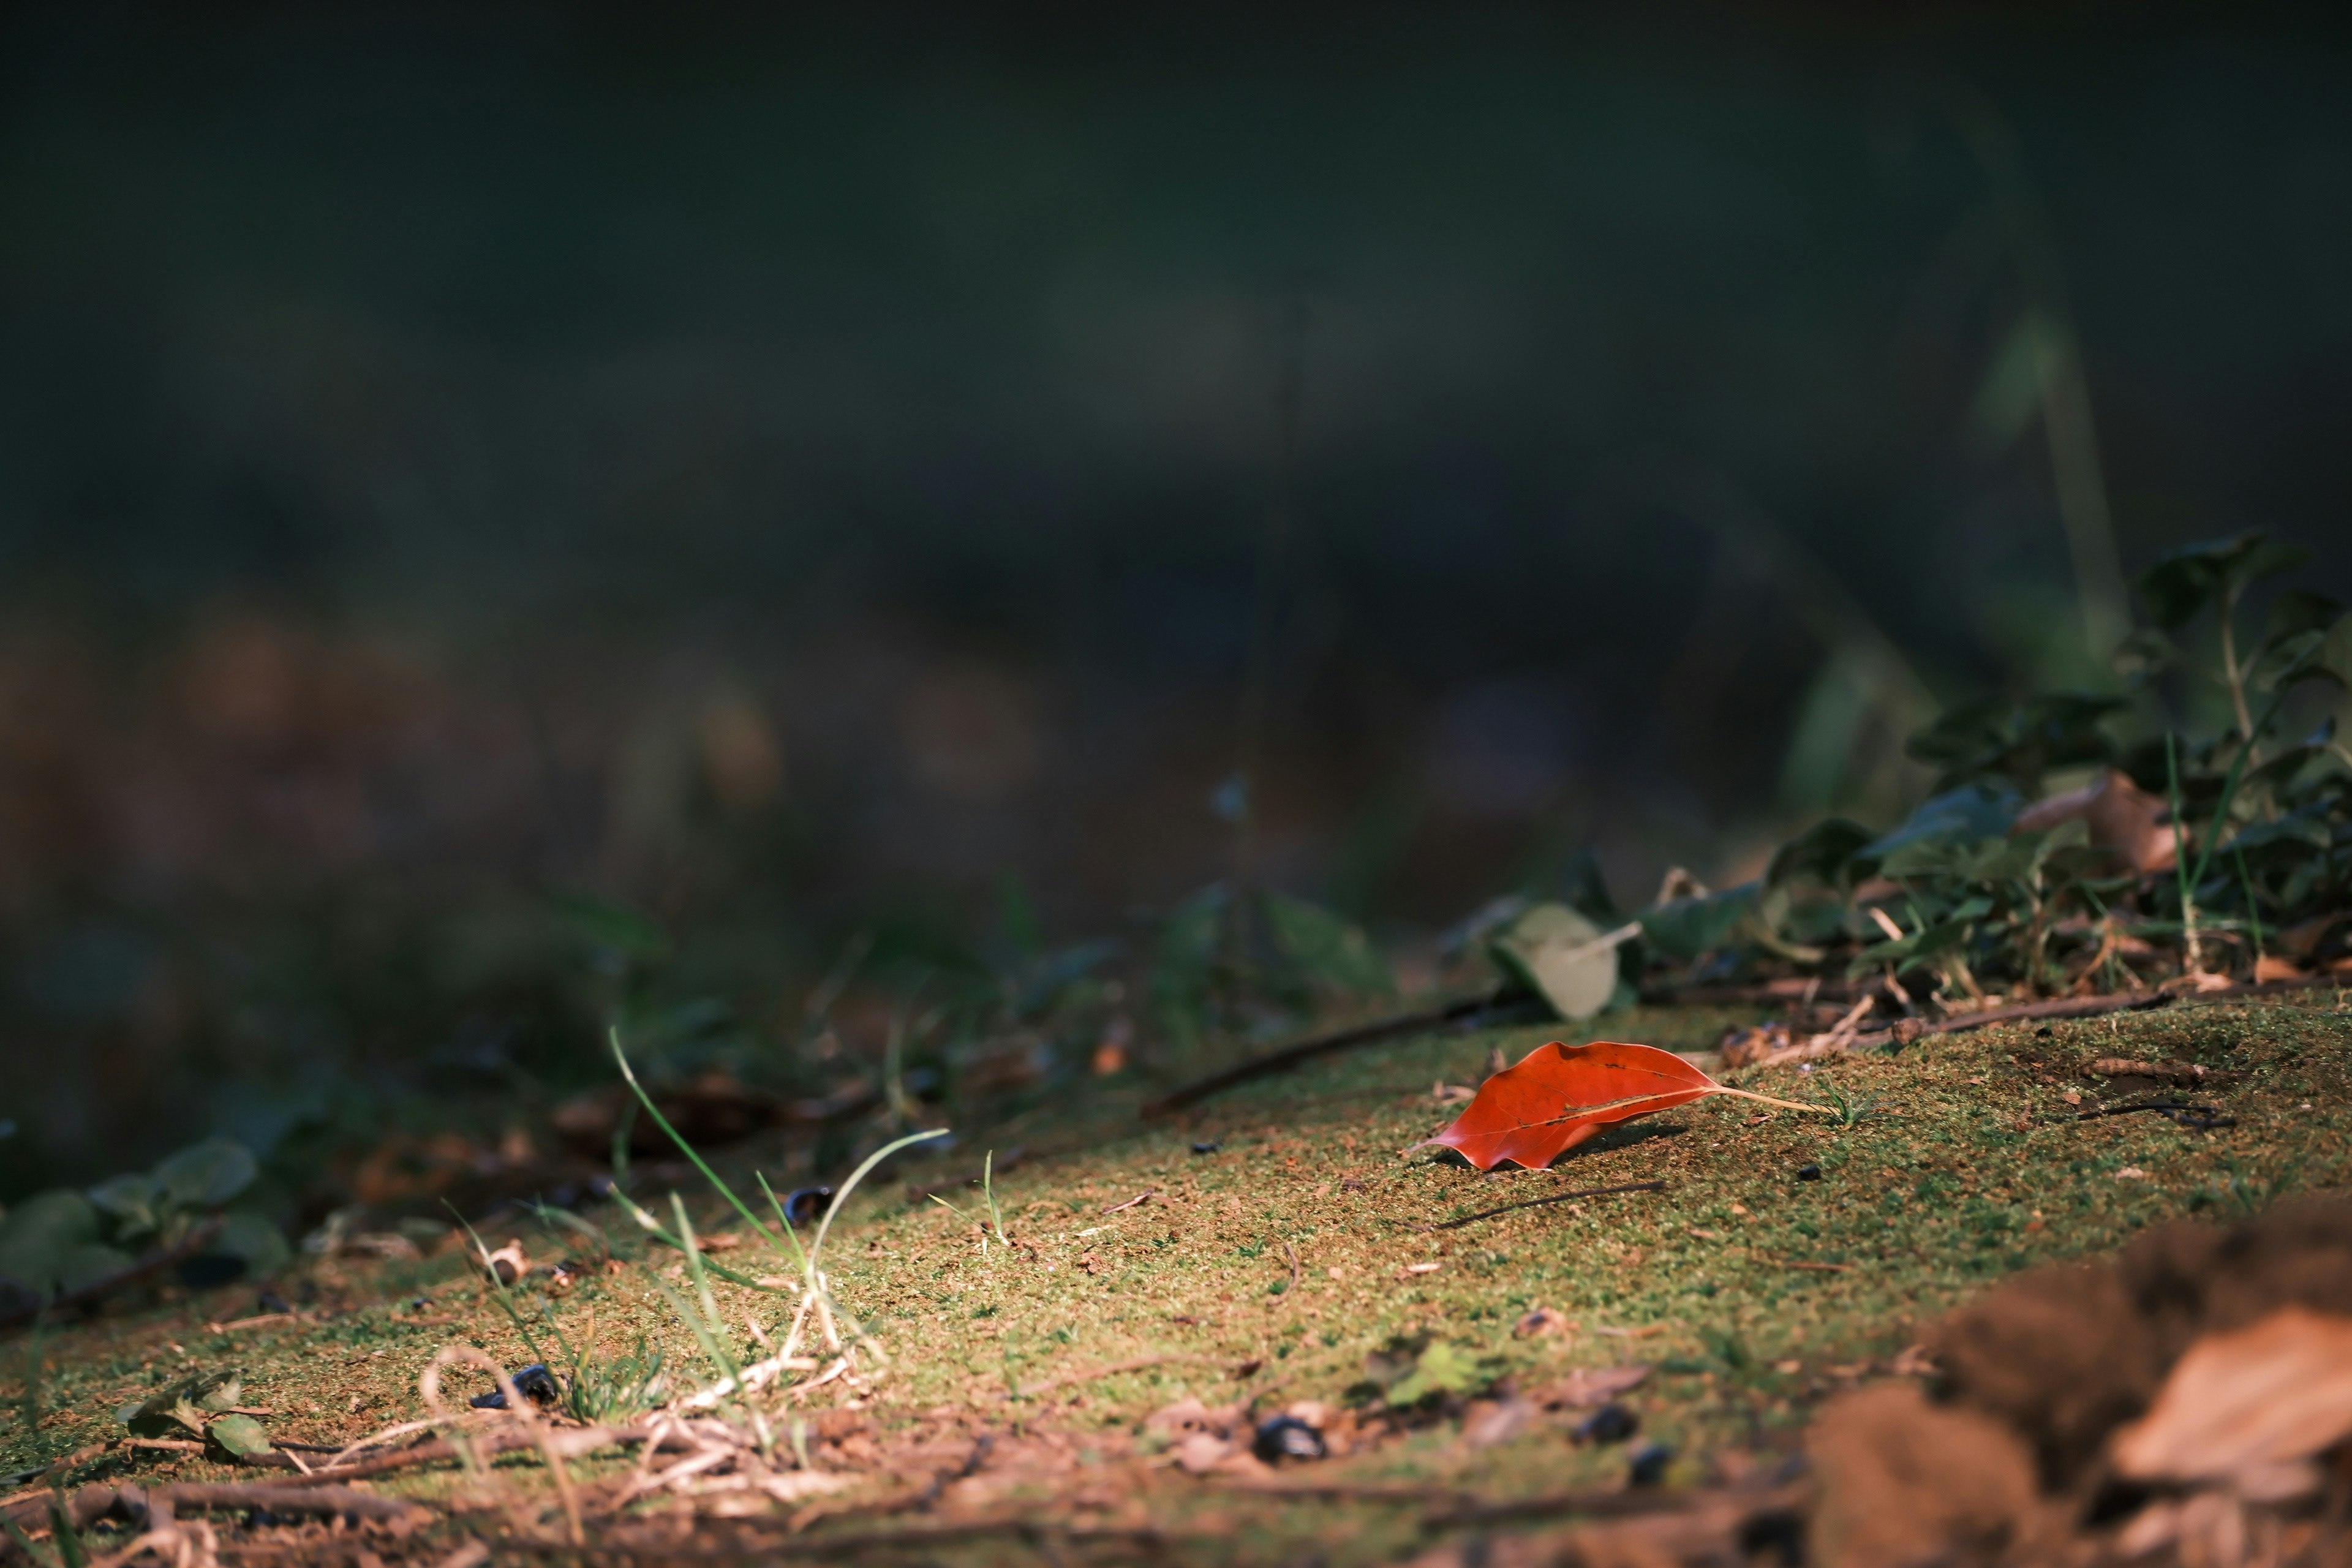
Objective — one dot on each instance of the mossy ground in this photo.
(1756, 1293)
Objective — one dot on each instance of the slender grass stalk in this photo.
(2253, 909)
(35, 1356)
(692, 1153)
(2180, 850)
(988, 1191)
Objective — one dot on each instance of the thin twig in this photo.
(1554, 1199)
(2210, 1115)
(2057, 1007)
(1470, 1013)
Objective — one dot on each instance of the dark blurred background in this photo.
(893, 478)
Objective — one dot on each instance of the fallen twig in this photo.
(1911, 1029)
(95, 1501)
(1554, 1199)
(1292, 1253)
(1467, 1013)
(2181, 1111)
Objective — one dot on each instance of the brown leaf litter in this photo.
(2187, 1402)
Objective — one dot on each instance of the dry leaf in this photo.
(2120, 815)
(1557, 1095)
(2275, 1393)
(1542, 1321)
(1591, 1385)
(2270, 967)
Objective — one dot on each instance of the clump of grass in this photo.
(599, 1388)
(988, 1191)
(1848, 1109)
(817, 1302)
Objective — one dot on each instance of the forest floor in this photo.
(1289, 1259)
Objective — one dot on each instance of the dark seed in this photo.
(803, 1205)
(2044, 1033)
(1809, 1173)
(1609, 1424)
(1287, 1438)
(1649, 1465)
(271, 1301)
(1208, 1145)
(534, 1383)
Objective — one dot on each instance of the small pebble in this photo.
(803, 1205)
(534, 1383)
(1649, 1464)
(1609, 1424)
(1809, 1173)
(1208, 1145)
(1287, 1438)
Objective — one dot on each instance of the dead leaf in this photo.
(2120, 815)
(1562, 957)
(1557, 1096)
(2270, 1395)
(1488, 1422)
(1542, 1321)
(1744, 1048)
(2270, 967)
(1591, 1385)
(1905, 1482)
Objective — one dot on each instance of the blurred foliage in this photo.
(1982, 889)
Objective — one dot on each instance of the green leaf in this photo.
(183, 1405)
(2336, 651)
(130, 1200)
(2144, 655)
(205, 1175)
(1689, 929)
(1548, 951)
(1441, 1369)
(2016, 743)
(2300, 610)
(254, 1239)
(1820, 853)
(1326, 949)
(242, 1436)
(2178, 588)
(1961, 816)
(48, 1244)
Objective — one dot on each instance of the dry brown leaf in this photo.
(2268, 1394)
(1591, 1385)
(2120, 815)
(2270, 968)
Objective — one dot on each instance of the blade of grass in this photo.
(655, 1229)
(816, 1243)
(679, 1138)
(701, 1280)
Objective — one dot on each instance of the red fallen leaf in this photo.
(1557, 1095)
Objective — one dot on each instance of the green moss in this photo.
(1756, 1292)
